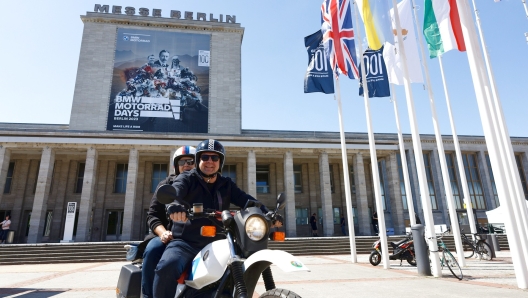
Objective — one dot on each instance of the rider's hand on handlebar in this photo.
(179, 216)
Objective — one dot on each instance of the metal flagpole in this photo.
(514, 181)
(420, 166)
(491, 132)
(442, 157)
(405, 169)
(525, 8)
(373, 156)
(350, 216)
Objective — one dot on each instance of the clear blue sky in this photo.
(41, 42)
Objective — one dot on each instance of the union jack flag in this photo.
(338, 36)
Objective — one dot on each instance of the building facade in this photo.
(129, 117)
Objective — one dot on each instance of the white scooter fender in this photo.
(259, 261)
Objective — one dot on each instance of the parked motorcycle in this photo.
(231, 267)
(401, 250)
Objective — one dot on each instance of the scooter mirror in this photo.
(281, 201)
(166, 194)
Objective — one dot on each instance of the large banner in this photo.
(160, 82)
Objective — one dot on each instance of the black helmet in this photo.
(210, 145)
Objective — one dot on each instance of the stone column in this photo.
(252, 174)
(393, 181)
(87, 196)
(485, 180)
(130, 196)
(326, 195)
(40, 202)
(171, 162)
(289, 187)
(5, 158)
(413, 175)
(440, 187)
(364, 222)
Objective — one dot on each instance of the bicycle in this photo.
(448, 259)
(480, 247)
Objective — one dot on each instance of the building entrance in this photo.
(114, 225)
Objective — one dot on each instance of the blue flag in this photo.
(376, 71)
(318, 76)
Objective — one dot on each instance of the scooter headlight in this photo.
(256, 228)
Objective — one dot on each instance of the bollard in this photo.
(10, 237)
(420, 249)
(488, 239)
(495, 242)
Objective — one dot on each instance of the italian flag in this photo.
(442, 28)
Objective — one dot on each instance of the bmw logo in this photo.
(296, 264)
(125, 38)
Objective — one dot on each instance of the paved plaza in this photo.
(330, 276)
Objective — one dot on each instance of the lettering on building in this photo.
(156, 13)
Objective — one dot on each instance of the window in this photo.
(402, 183)
(297, 178)
(476, 192)
(47, 223)
(493, 186)
(430, 182)
(76, 221)
(263, 179)
(351, 177)
(518, 159)
(159, 173)
(450, 159)
(229, 171)
(80, 177)
(9, 179)
(121, 178)
(301, 216)
(27, 215)
(355, 213)
(381, 166)
(3, 214)
(337, 215)
(332, 186)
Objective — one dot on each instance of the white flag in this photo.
(391, 54)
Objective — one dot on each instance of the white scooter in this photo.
(231, 267)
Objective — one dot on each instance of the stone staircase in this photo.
(47, 253)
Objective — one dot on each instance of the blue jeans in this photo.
(176, 258)
(343, 230)
(151, 257)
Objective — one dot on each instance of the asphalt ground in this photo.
(329, 276)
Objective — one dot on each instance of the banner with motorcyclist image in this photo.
(160, 82)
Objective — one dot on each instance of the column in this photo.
(66, 177)
(130, 195)
(440, 187)
(393, 177)
(326, 194)
(289, 187)
(171, 161)
(486, 180)
(5, 158)
(87, 196)
(364, 221)
(413, 175)
(252, 174)
(40, 202)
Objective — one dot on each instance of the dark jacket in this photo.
(191, 188)
(157, 215)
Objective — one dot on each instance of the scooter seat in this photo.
(396, 244)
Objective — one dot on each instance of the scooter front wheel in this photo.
(280, 293)
(375, 258)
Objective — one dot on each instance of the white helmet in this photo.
(184, 151)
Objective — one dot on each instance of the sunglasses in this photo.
(204, 157)
(189, 162)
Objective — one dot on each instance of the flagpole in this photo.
(405, 169)
(487, 115)
(525, 8)
(420, 165)
(350, 216)
(442, 157)
(514, 181)
(373, 156)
